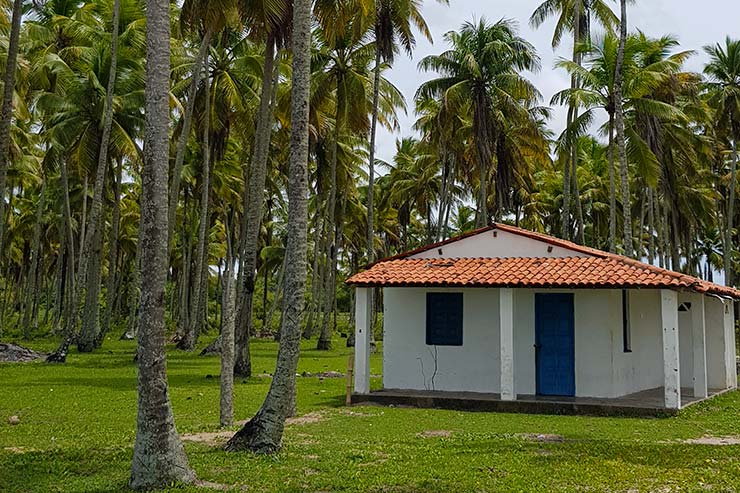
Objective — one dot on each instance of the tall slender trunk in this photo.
(110, 282)
(253, 211)
(651, 225)
(612, 189)
(621, 143)
(314, 300)
(571, 164)
(190, 336)
(83, 223)
(182, 140)
(92, 249)
(69, 238)
(567, 182)
(324, 342)
(371, 158)
(729, 248)
(159, 457)
(6, 111)
(264, 432)
(483, 151)
(227, 335)
(34, 265)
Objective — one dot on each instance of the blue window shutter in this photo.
(444, 319)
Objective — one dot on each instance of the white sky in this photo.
(695, 23)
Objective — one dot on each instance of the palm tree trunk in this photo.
(159, 457)
(182, 140)
(651, 225)
(227, 336)
(190, 336)
(621, 143)
(254, 212)
(6, 111)
(91, 309)
(728, 250)
(612, 189)
(482, 137)
(110, 282)
(371, 159)
(263, 433)
(324, 342)
(317, 274)
(92, 250)
(34, 265)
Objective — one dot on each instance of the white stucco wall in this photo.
(408, 363)
(503, 244)
(603, 369)
(642, 368)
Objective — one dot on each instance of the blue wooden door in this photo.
(555, 344)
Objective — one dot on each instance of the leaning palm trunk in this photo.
(729, 248)
(264, 432)
(190, 336)
(159, 457)
(621, 143)
(182, 140)
(110, 282)
(253, 212)
(6, 111)
(92, 250)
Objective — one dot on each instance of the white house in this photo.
(504, 318)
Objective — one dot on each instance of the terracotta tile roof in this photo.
(601, 270)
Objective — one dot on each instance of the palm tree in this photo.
(723, 71)
(6, 110)
(264, 432)
(575, 16)
(619, 124)
(481, 72)
(92, 251)
(268, 22)
(159, 457)
(393, 26)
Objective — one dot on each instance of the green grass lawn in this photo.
(78, 423)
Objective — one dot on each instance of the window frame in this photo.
(626, 324)
(453, 336)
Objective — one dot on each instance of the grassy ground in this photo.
(78, 423)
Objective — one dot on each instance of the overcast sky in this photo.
(695, 23)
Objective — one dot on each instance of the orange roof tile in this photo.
(601, 270)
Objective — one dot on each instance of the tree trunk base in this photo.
(60, 355)
(242, 369)
(213, 348)
(86, 347)
(323, 344)
(255, 436)
(186, 344)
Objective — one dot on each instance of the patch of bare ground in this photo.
(212, 438)
(201, 483)
(542, 437)
(435, 434)
(306, 419)
(20, 450)
(357, 414)
(712, 440)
